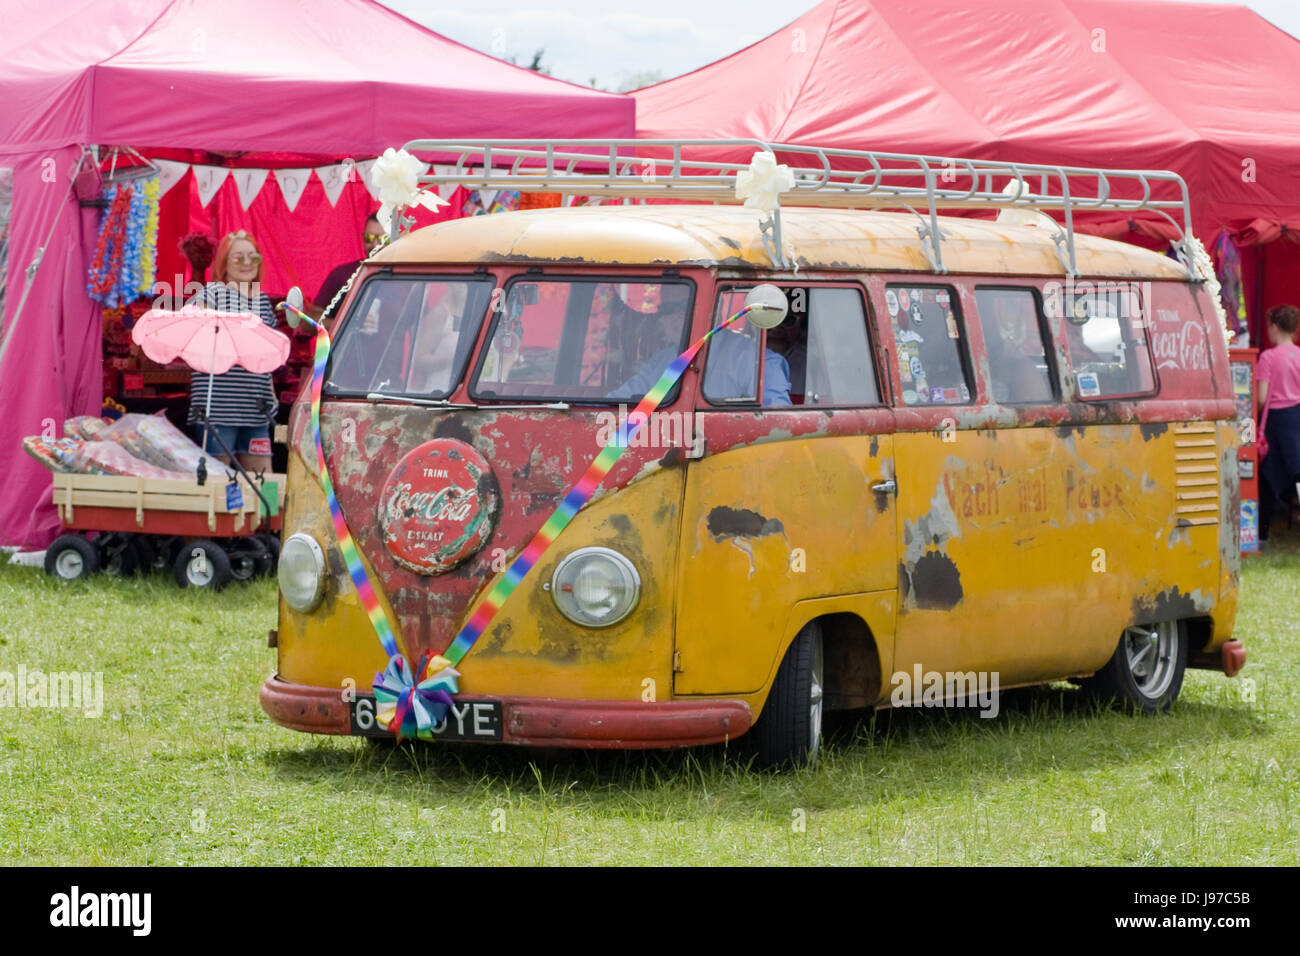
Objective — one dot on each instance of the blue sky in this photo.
(615, 42)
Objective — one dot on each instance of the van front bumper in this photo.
(540, 721)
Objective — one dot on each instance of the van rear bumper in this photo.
(541, 721)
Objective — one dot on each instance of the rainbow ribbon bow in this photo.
(411, 707)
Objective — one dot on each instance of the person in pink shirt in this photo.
(1278, 374)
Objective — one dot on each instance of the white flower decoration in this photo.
(396, 177)
(762, 184)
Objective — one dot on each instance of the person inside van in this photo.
(1016, 361)
(1278, 374)
(732, 370)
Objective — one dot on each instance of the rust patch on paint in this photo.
(934, 583)
(1169, 605)
(724, 522)
(1152, 430)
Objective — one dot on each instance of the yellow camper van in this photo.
(977, 453)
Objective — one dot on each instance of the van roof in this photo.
(729, 236)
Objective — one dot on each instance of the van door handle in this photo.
(888, 487)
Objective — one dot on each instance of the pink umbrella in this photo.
(210, 341)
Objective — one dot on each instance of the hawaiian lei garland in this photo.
(413, 704)
(125, 257)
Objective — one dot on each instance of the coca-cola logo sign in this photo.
(437, 507)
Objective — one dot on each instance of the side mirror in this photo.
(293, 298)
(767, 306)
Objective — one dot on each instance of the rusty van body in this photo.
(1006, 467)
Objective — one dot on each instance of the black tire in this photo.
(118, 556)
(788, 732)
(1145, 673)
(202, 564)
(272, 544)
(71, 557)
(248, 558)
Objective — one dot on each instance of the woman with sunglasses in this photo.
(243, 402)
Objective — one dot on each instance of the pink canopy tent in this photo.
(254, 82)
(1206, 90)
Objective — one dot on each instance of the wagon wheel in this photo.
(249, 558)
(202, 564)
(117, 554)
(71, 557)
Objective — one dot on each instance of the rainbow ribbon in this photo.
(412, 705)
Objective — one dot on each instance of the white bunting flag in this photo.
(170, 173)
(292, 183)
(363, 172)
(334, 178)
(445, 189)
(249, 183)
(207, 180)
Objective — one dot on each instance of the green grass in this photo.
(183, 768)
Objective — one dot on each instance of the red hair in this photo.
(223, 251)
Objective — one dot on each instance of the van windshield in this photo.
(407, 335)
(584, 340)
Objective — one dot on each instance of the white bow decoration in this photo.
(395, 176)
(762, 184)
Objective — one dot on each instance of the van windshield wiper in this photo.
(458, 406)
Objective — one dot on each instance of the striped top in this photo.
(239, 396)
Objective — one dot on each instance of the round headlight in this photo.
(595, 587)
(302, 572)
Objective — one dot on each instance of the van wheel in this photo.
(71, 557)
(202, 564)
(1146, 671)
(789, 732)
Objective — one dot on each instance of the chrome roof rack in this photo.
(688, 170)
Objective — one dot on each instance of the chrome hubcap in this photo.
(69, 564)
(1150, 655)
(199, 570)
(815, 697)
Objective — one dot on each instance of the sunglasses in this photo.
(369, 237)
(252, 258)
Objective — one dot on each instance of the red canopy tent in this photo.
(253, 83)
(1206, 90)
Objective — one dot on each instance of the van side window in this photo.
(1106, 341)
(1013, 337)
(820, 354)
(731, 369)
(927, 344)
(828, 349)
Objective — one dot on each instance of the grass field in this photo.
(182, 767)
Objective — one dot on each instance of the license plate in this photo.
(467, 720)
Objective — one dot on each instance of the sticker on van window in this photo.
(909, 396)
(891, 302)
(916, 368)
(1089, 386)
(942, 297)
(903, 301)
(917, 318)
(908, 335)
(936, 395)
(952, 326)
